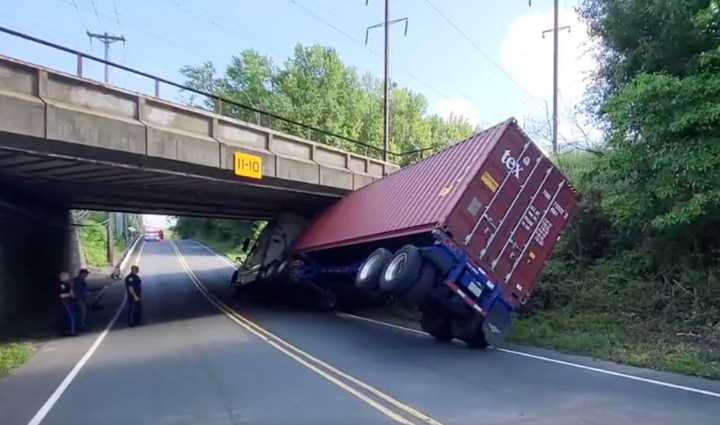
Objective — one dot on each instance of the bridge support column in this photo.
(36, 243)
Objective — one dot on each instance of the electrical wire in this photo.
(350, 37)
(92, 2)
(117, 15)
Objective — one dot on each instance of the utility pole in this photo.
(107, 40)
(555, 30)
(110, 240)
(114, 219)
(386, 77)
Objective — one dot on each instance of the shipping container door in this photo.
(538, 239)
(479, 213)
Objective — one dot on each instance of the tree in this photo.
(648, 36)
(316, 88)
(657, 90)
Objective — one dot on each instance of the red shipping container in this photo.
(495, 194)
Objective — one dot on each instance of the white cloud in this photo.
(458, 106)
(528, 56)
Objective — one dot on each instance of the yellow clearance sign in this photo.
(247, 165)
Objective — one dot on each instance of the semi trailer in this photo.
(463, 235)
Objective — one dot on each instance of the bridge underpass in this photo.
(82, 144)
(68, 142)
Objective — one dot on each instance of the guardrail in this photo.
(222, 104)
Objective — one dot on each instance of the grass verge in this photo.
(226, 248)
(605, 337)
(13, 355)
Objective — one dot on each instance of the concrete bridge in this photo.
(77, 143)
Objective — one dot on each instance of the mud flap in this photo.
(498, 323)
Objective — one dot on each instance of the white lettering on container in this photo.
(542, 231)
(512, 164)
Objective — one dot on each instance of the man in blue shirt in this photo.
(79, 287)
(133, 283)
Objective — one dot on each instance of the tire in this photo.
(402, 271)
(327, 301)
(437, 325)
(441, 260)
(368, 275)
(471, 332)
(415, 296)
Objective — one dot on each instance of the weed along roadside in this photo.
(13, 355)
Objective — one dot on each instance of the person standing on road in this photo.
(79, 287)
(67, 303)
(133, 283)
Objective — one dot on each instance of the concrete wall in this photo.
(36, 242)
(50, 105)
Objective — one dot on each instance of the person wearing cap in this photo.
(67, 303)
(133, 283)
(79, 286)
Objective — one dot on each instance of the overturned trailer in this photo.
(463, 235)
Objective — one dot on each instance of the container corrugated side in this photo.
(412, 200)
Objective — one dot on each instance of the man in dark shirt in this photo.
(67, 303)
(79, 288)
(133, 283)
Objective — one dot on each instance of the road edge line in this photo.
(55, 396)
(551, 360)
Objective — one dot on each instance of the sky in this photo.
(483, 59)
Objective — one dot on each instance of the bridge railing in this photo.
(230, 107)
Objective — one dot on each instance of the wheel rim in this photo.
(367, 266)
(396, 266)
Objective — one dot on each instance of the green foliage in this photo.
(648, 36)
(12, 355)
(315, 87)
(637, 276)
(93, 237)
(665, 161)
(607, 337)
(225, 236)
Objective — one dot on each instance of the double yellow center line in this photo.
(390, 407)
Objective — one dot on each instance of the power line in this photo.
(117, 15)
(350, 37)
(77, 9)
(478, 48)
(92, 2)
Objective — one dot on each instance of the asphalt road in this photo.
(203, 358)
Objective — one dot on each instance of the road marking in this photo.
(55, 396)
(212, 251)
(307, 360)
(550, 360)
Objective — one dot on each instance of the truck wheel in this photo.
(327, 301)
(402, 271)
(470, 332)
(437, 325)
(439, 258)
(415, 296)
(368, 275)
